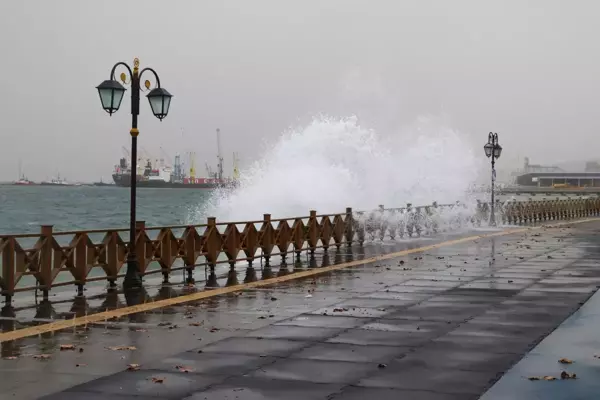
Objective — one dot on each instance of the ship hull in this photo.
(125, 181)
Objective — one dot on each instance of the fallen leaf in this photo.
(213, 329)
(196, 323)
(158, 380)
(534, 378)
(133, 367)
(181, 368)
(549, 378)
(67, 347)
(119, 348)
(565, 361)
(566, 375)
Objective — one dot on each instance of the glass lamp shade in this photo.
(111, 94)
(160, 100)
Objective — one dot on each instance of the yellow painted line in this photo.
(107, 315)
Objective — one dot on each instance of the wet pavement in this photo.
(442, 324)
(577, 344)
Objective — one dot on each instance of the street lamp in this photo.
(111, 94)
(493, 150)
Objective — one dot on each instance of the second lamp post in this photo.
(111, 93)
(493, 150)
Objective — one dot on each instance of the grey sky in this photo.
(526, 69)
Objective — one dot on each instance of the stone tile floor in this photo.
(444, 324)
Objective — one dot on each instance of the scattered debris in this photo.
(42, 356)
(273, 298)
(120, 348)
(401, 262)
(539, 378)
(133, 367)
(382, 366)
(64, 347)
(566, 375)
(158, 380)
(164, 324)
(197, 323)
(181, 368)
(213, 329)
(565, 361)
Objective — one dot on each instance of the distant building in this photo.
(534, 168)
(547, 176)
(592, 166)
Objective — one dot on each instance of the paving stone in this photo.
(86, 396)
(410, 326)
(317, 371)
(255, 346)
(406, 376)
(360, 312)
(416, 289)
(500, 293)
(309, 334)
(366, 337)
(362, 393)
(140, 383)
(387, 295)
(325, 321)
(448, 357)
(432, 283)
(490, 343)
(350, 352)
(457, 298)
(436, 311)
(250, 388)
(210, 363)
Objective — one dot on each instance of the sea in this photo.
(23, 209)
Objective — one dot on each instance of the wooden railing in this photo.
(51, 259)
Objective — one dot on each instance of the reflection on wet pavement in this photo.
(445, 323)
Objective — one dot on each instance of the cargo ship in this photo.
(159, 174)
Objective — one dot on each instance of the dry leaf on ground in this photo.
(133, 367)
(196, 323)
(158, 380)
(565, 361)
(181, 368)
(566, 375)
(67, 347)
(118, 348)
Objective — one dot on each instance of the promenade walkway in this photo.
(441, 318)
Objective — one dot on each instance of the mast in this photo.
(236, 171)
(219, 156)
(192, 166)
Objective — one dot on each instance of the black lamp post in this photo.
(493, 150)
(111, 94)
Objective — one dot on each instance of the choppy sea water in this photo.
(23, 209)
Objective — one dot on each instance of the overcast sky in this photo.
(524, 68)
